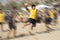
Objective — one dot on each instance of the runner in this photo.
(12, 24)
(52, 16)
(55, 16)
(32, 17)
(2, 17)
(21, 17)
(47, 19)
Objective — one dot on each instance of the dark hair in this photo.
(33, 5)
(14, 7)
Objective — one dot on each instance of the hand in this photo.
(25, 4)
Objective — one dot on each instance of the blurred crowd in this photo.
(48, 16)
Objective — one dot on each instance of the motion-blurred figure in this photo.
(47, 18)
(12, 22)
(2, 18)
(21, 17)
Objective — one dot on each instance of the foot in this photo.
(30, 33)
(49, 29)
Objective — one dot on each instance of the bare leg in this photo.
(9, 33)
(47, 26)
(26, 24)
(33, 25)
(56, 22)
(32, 28)
(2, 27)
(14, 33)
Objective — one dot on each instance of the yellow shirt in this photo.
(20, 14)
(1, 17)
(33, 14)
(52, 14)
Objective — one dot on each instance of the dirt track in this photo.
(39, 32)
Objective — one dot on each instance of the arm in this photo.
(14, 19)
(26, 8)
(40, 12)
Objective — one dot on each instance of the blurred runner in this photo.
(52, 16)
(2, 18)
(47, 19)
(32, 16)
(21, 16)
(55, 16)
(12, 22)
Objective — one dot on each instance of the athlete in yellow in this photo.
(32, 16)
(2, 17)
(47, 20)
(51, 14)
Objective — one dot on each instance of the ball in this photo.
(25, 4)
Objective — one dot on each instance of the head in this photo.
(14, 7)
(26, 4)
(33, 6)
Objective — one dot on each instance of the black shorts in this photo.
(48, 20)
(33, 21)
(56, 17)
(12, 26)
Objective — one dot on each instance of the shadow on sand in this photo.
(31, 34)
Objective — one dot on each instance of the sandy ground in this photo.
(39, 32)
